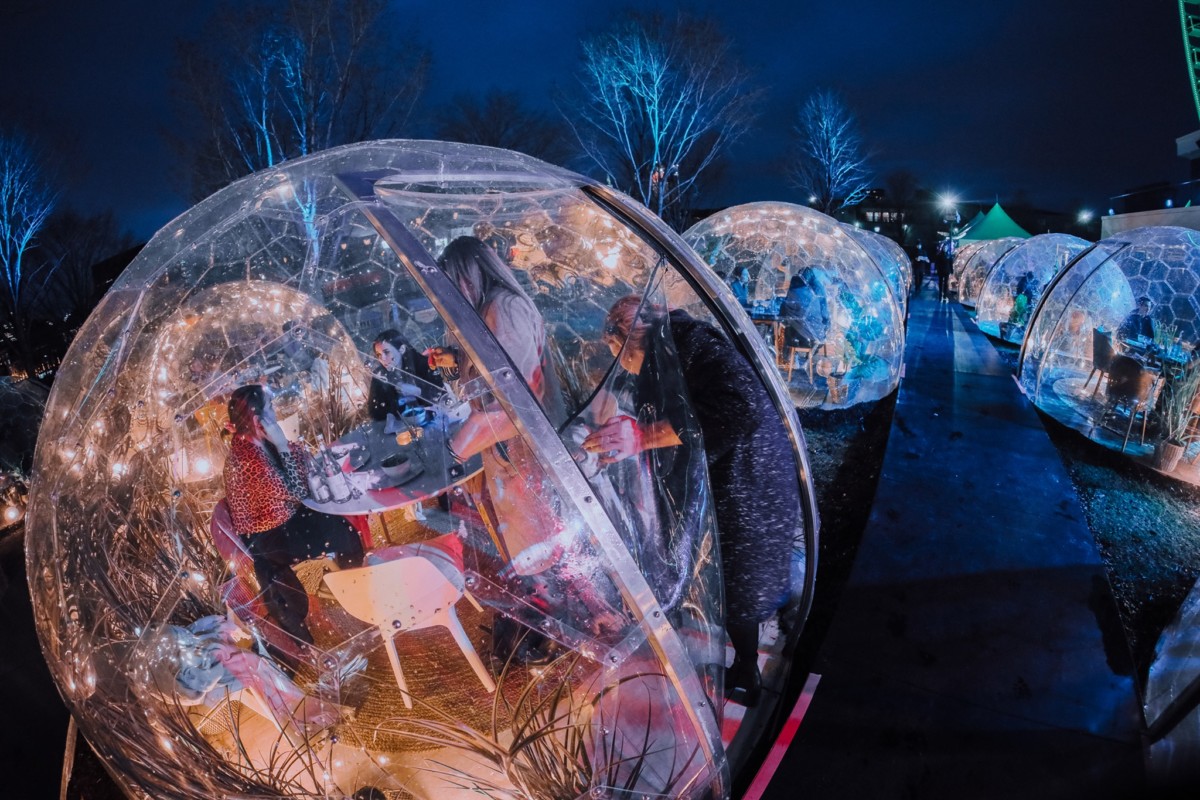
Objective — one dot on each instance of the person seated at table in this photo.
(393, 389)
(1139, 322)
(265, 485)
(805, 311)
(740, 285)
(751, 467)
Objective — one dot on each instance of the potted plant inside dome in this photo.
(1178, 406)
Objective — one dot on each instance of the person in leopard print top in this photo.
(265, 485)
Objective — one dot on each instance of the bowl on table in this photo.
(398, 468)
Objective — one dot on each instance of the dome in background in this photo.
(1088, 321)
(1014, 284)
(977, 266)
(839, 340)
(892, 262)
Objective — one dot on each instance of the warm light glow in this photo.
(11, 513)
(203, 466)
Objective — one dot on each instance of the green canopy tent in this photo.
(966, 229)
(996, 224)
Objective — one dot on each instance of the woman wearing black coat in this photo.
(751, 467)
(393, 388)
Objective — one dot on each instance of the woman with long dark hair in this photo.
(393, 390)
(523, 519)
(265, 484)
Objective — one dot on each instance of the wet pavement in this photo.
(976, 651)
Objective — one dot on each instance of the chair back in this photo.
(1129, 381)
(1102, 349)
(231, 547)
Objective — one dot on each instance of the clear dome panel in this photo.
(885, 258)
(462, 567)
(977, 266)
(1015, 283)
(902, 262)
(1091, 316)
(829, 315)
(1172, 715)
(962, 256)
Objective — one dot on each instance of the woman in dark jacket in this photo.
(751, 467)
(393, 390)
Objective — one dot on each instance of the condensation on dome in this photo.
(1088, 328)
(902, 261)
(191, 681)
(838, 337)
(978, 264)
(1174, 753)
(22, 403)
(963, 255)
(1014, 285)
(888, 261)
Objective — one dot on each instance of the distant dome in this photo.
(147, 594)
(978, 264)
(1087, 320)
(891, 260)
(1013, 286)
(840, 341)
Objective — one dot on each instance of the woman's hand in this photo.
(616, 440)
(275, 435)
(441, 357)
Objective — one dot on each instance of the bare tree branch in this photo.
(277, 80)
(831, 163)
(659, 102)
(498, 119)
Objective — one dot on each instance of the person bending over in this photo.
(751, 466)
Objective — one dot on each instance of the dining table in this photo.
(1171, 360)
(425, 468)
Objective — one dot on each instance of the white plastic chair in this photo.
(408, 594)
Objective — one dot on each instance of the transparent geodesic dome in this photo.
(978, 264)
(889, 261)
(962, 256)
(1088, 317)
(1013, 286)
(839, 339)
(528, 619)
(22, 404)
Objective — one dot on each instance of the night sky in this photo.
(1069, 102)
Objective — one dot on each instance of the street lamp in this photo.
(1085, 216)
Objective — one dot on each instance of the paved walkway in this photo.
(976, 650)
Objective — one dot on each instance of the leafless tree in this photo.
(499, 119)
(73, 245)
(831, 162)
(26, 200)
(901, 187)
(279, 79)
(659, 100)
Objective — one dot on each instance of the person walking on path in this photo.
(944, 265)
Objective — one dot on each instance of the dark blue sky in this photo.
(1069, 101)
